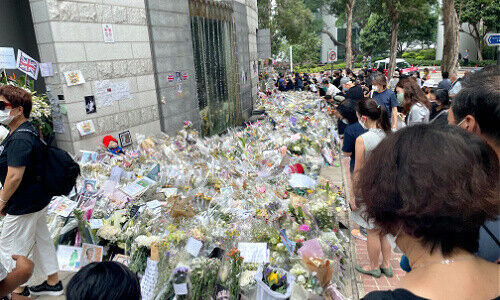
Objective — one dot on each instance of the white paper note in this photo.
(7, 58)
(95, 223)
(253, 252)
(193, 246)
(46, 69)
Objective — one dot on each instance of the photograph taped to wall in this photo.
(90, 106)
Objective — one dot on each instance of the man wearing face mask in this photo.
(23, 201)
(385, 98)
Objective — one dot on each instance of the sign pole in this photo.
(291, 59)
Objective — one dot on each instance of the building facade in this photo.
(164, 56)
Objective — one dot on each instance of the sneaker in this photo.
(24, 293)
(46, 289)
(357, 234)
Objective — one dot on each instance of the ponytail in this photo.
(371, 109)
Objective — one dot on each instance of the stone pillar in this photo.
(253, 25)
(69, 34)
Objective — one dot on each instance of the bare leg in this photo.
(373, 243)
(53, 279)
(386, 251)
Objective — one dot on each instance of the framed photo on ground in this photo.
(125, 139)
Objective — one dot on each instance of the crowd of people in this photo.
(424, 163)
(425, 177)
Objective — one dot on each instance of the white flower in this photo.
(247, 278)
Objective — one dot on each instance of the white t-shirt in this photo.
(332, 90)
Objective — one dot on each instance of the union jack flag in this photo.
(27, 64)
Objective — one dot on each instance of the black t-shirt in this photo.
(23, 149)
(398, 294)
(351, 133)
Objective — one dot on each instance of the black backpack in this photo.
(58, 169)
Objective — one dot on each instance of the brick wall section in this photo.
(69, 34)
(170, 30)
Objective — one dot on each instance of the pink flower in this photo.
(304, 227)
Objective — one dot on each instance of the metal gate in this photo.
(216, 65)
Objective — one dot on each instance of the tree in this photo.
(397, 11)
(374, 37)
(481, 17)
(450, 47)
(377, 33)
(293, 20)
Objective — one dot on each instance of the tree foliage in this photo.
(481, 16)
(376, 35)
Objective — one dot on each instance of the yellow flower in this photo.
(273, 278)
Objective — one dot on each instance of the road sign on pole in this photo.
(332, 56)
(493, 39)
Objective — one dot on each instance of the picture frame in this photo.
(125, 139)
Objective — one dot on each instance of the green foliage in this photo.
(475, 11)
(293, 20)
(424, 54)
(412, 61)
(415, 26)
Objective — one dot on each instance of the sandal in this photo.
(375, 273)
(357, 234)
(387, 272)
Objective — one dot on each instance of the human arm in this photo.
(19, 275)
(394, 118)
(360, 159)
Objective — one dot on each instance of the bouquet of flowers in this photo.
(273, 283)
(179, 280)
(274, 279)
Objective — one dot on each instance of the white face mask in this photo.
(375, 88)
(5, 117)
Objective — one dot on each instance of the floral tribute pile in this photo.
(244, 215)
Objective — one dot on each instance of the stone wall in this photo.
(170, 30)
(69, 34)
(243, 54)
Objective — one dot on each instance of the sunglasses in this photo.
(4, 105)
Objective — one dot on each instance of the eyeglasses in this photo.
(3, 105)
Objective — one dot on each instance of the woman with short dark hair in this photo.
(433, 206)
(104, 281)
(22, 198)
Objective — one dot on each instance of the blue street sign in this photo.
(493, 39)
